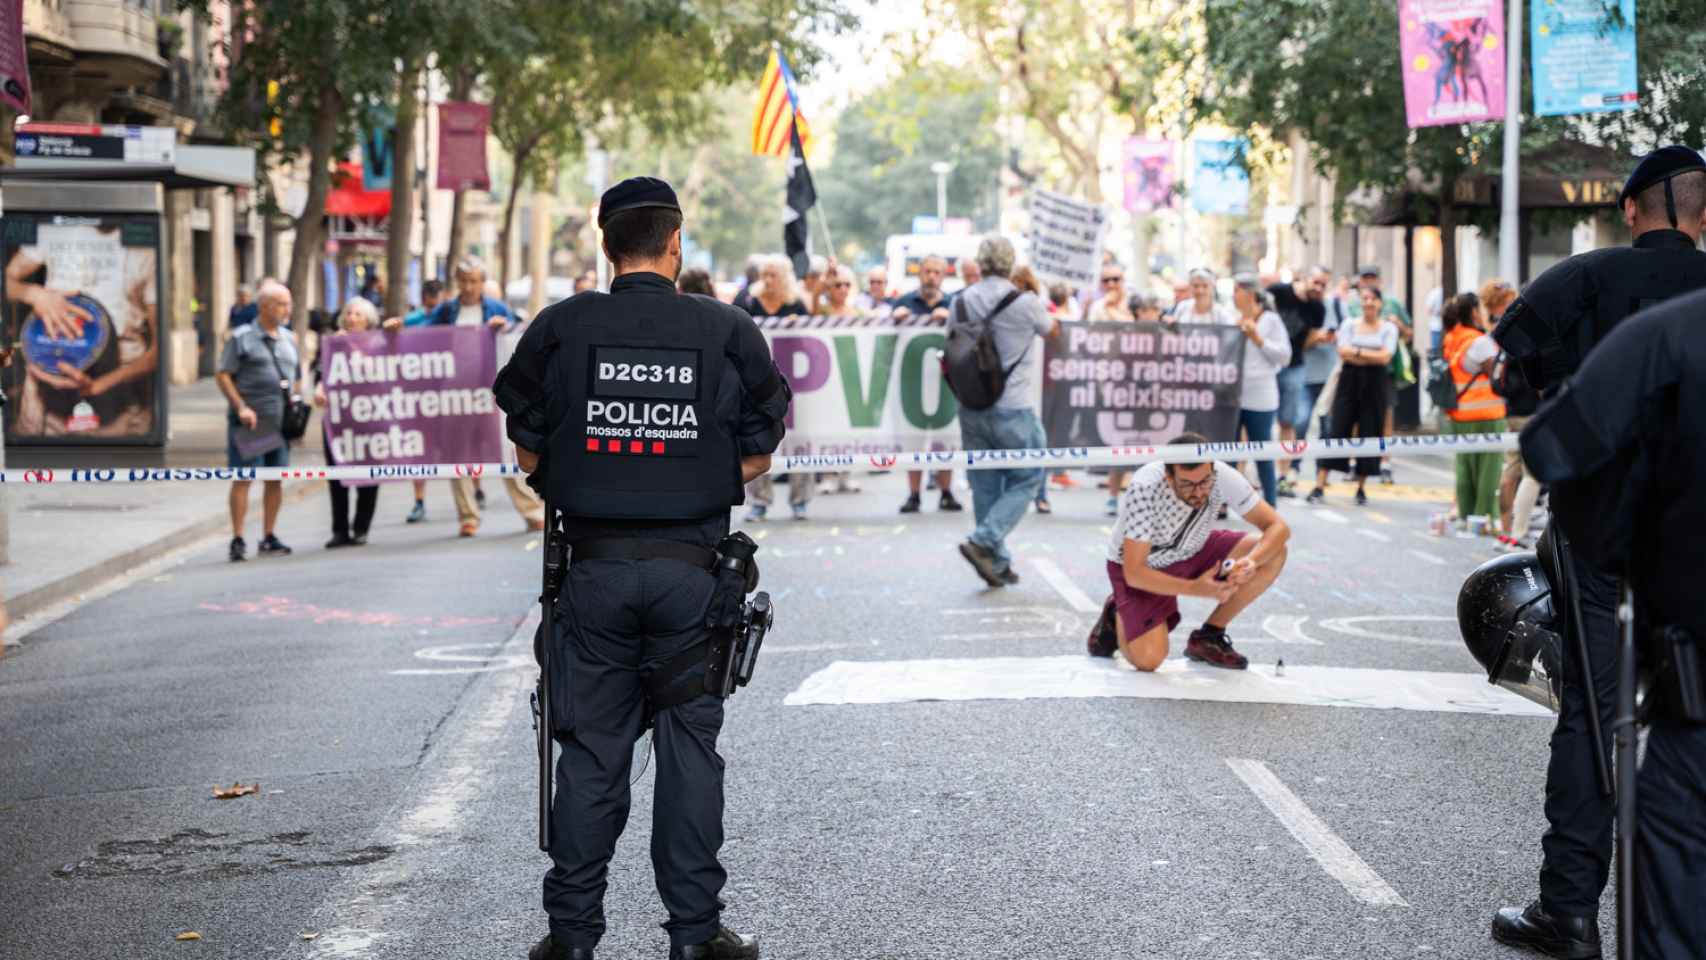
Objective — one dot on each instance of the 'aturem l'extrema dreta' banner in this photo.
(1123, 384)
(422, 395)
(1454, 60)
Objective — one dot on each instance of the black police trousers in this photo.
(1670, 845)
(616, 620)
(1577, 844)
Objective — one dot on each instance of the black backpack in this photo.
(970, 363)
(1521, 400)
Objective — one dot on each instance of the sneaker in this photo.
(1222, 513)
(1362, 498)
(755, 514)
(1104, 636)
(1211, 646)
(417, 513)
(983, 561)
(1316, 497)
(272, 546)
(948, 504)
(799, 511)
(1386, 476)
(911, 505)
(848, 485)
(239, 550)
(552, 949)
(467, 529)
(1112, 508)
(480, 498)
(1287, 487)
(726, 945)
(1010, 577)
(1063, 481)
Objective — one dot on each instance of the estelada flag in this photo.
(778, 111)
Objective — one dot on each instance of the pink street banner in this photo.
(1453, 60)
(14, 62)
(462, 130)
(1148, 170)
(421, 395)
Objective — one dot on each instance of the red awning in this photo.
(348, 199)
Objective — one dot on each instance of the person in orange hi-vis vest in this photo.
(1470, 352)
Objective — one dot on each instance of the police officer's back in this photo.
(1624, 445)
(1557, 322)
(644, 411)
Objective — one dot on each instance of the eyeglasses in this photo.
(1194, 486)
(1112, 279)
(841, 283)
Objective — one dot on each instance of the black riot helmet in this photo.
(1505, 611)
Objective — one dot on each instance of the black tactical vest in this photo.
(643, 406)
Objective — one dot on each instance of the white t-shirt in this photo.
(1150, 512)
(1482, 349)
(1262, 364)
(471, 315)
(1186, 312)
(1383, 337)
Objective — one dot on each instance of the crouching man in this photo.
(1164, 547)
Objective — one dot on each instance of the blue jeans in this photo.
(999, 498)
(1293, 396)
(1259, 424)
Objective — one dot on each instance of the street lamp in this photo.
(941, 169)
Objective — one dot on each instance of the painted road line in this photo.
(1329, 515)
(1428, 557)
(1074, 595)
(1377, 516)
(1080, 677)
(1374, 535)
(1333, 854)
(368, 908)
(770, 648)
(1436, 472)
(1287, 629)
(1348, 626)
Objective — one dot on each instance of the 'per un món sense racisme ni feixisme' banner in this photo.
(864, 385)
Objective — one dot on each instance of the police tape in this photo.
(1050, 458)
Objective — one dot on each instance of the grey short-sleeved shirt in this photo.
(1016, 329)
(246, 359)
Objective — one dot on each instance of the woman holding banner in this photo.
(1201, 306)
(358, 315)
(1266, 353)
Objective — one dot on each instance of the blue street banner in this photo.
(1583, 56)
(378, 148)
(1219, 181)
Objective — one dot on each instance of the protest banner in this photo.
(421, 395)
(1584, 62)
(462, 129)
(1453, 54)
(1066, 238)
(1123, 384)
(866, 387)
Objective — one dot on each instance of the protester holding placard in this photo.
(1111, 305)
(1201, 306)
(927, 305)
(1265, 355)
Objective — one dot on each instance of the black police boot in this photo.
(726, 945)
(550, 949)
(1571, 938)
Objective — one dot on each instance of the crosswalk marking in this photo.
(1374, 535)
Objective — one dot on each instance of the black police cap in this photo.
(636, 193)
(1658, 167)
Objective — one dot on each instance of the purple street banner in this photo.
(1148, 171)
(462, 130)
(14, 62)
(1453, 54)
(1124, 384)
(421, 395)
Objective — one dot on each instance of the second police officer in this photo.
(1548, 332)
(645, 411)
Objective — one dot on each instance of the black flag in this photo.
(802, 196)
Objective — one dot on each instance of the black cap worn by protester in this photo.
(633, 194)
(1659, 167)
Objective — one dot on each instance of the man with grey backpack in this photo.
(991, 362)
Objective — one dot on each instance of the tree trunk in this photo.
(310, 227)
(517, 176)
(461, 88)
(400, 236)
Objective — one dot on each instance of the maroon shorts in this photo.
(1141, 611)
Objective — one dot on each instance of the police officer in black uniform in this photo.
(641, 414)
(1624, 446)
(1548, 332)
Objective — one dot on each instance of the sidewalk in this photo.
(66, 539)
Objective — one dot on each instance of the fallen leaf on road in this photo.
(235, 790)
(310, 936)
(191, 935)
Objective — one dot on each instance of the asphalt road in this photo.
(377, 696)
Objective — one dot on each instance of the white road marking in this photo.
(1346, 625)
(1428, 557)
(354, 916)
(1333, 854)
(815, 647)
(1331, 516)
(1074, 595)
(1078, 676)
(1010, 623)
(488, 662)
(1287, 629)
(1374, 535)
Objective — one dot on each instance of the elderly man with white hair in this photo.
(1000, 498)
(259, 364)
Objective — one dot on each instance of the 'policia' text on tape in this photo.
(1052, 458)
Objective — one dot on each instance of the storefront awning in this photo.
(194, 167)
(1566, 175)
(347, 198)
